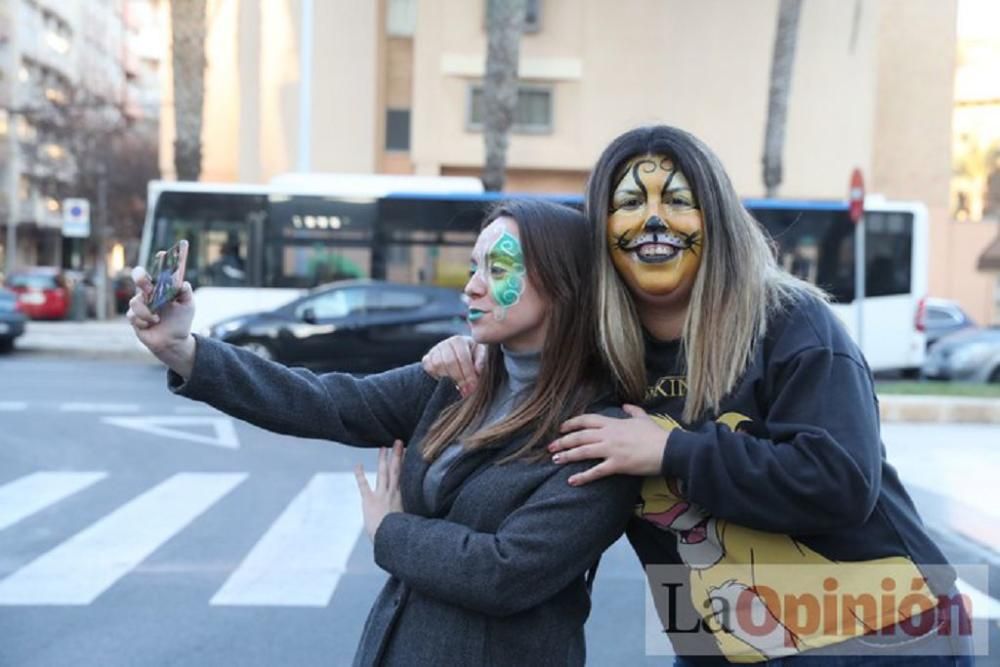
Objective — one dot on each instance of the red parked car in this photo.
(42, 292)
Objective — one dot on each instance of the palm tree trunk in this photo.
(504, 25)
(777, 101)
(187, 19)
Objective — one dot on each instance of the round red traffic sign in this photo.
(856, 196)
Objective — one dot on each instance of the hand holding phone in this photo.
(167, 334)
(167, 274)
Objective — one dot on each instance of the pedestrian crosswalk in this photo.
(298, 561)
(32, 493)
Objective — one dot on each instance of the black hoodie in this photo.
(784, 489)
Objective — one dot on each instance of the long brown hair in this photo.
(739, 284)
(559, 255)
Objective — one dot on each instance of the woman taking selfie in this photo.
(766, 479)
(486, 544)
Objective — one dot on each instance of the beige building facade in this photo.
(395, 89)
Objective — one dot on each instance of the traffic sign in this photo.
(76, 218)
(856, 196)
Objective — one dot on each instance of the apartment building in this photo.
(59, 59)
(396, 88)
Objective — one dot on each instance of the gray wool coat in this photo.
(497, 577)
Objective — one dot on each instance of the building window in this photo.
(401, 18)
(532, 15)
(533, 114)
(397, 129)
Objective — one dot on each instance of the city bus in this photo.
(814, 240)
(256, 247)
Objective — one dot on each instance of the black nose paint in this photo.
(655, 224)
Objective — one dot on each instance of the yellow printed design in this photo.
(732, 567)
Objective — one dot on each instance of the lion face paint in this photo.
(655, 229)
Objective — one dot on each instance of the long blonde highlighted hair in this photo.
(738, 287)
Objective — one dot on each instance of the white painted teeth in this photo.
(657, 250)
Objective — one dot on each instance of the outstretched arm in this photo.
(366, 411)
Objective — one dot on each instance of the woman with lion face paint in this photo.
(758, 435)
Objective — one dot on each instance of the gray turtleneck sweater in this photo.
(522, 371)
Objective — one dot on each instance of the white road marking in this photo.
(29, 494)
(196, 410)
(78, 570)
(99, 407)
(225, 432)
(13, 406)
(983, 606)
(300, 559)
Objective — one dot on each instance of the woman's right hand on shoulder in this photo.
(459, 358)
(166, 334)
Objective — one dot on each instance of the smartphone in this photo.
(167, 274)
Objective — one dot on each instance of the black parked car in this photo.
(353, 326)
(11, 319)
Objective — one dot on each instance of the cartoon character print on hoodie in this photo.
(775, 580)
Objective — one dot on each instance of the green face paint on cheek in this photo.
(506, 262)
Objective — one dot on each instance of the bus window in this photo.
(818, 245)
(218, 227)
(888, 253)
(223, 254)
(289, 265)
(313, 240)
(441, 265)
(427, 240)
(814, 244)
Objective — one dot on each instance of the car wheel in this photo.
(995, 376)
(260, 349)
(6, 345)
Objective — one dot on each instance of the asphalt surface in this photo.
(138, 528)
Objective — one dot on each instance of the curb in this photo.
(113, 339)
(939, 409)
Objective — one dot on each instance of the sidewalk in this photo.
(114, 339)
(89, 339)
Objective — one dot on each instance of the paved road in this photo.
(137, 528)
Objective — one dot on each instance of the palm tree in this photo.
(777, 100)
(187, 23)
(504, 25)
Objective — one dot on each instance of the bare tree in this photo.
(504, 25)
(785, 37)
(187, 23)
